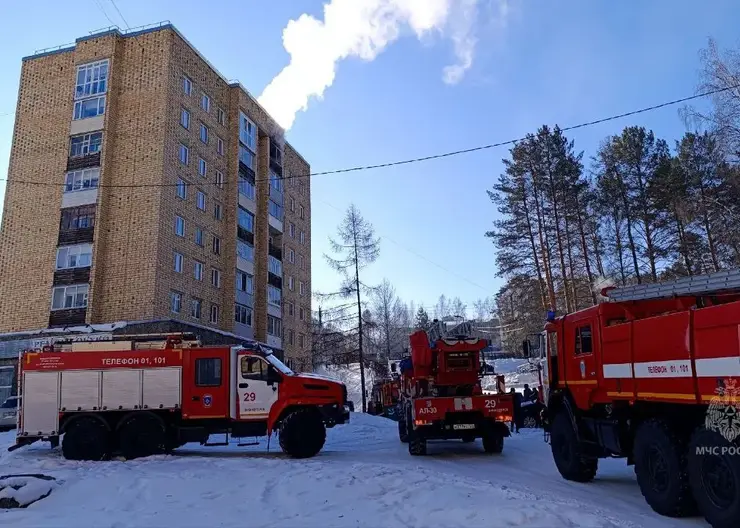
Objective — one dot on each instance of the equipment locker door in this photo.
(581, 342)
(205, 383)
(255, 392)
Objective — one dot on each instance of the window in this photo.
(69, 297)
(175, 302)
(82, 180)
(303, 238)
(301, 340)
(245, 251)
(204, 133)
(246, 220)
(202, 167)
(78, 218)
(198, 270)
(85, 144)
(291, 229)
(178, 262)
(247, 132)
(253, 368)
(242, 314)
(291, 256)
(273, 295)
(187, 85)
(290, 336)
(90, 89)
(179, 226)
(200, 201)
(208, 372)
(274, 266)
(219, 179)
(220, 146)
(274, 326)
(184, 118)
(205, 102)
(244, 282)
(220, 116)
(182, 189)
(301, 263)
(199, 236)
(246, 157)
(275, 210)
(195, 308)
(216, 245)
(218, 212)
(291, 308)
(301, 212)
(302, 313)
(184, 154)
(214, 314)
(292, 204)
(583, 340)
(70, 257)
(216, 278)
(246, 188)
(291, 283)
(276, 182)
(301, 288)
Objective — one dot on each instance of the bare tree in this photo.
(392, 318)
(356, 247)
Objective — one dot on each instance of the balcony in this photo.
(83, 162)
(65, 277)
(276, 158)
(68, 237)
(275, 251)
(274, 280)
(69, 317)
(244, 235)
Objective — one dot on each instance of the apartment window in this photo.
(92, 84)
(291, 283)
(247, 132)
(198, 270)
(273, 295)
(301, 340)
(187, 85)
(246, 188)
(85, 144)
(179, 259)
(184, 118)
(290, 336)
(275, 210)
(184, 154)
(82, 180)
(301, 263)
(291, 308)
(274, 266)
(196, 306)
(202, 167)
(246, 220)
(199, 236)
(179, 226)
(276, 182)
(292, 204)
(218, 211)
(216, 278)
(69, 297)
(204, 133)
(242, 314)
(291, 256)
(216, 245)
(245, 251)
(215, 313)
(303, 238)
(301, 313)
(182, 188)
(220, 116)
(200, 201)
(78, 256)
(274, 326)
(205, 102)
(291, 229)
(78, 218)
(244, 282)
(301, 212)
(301, 288)
(219, 179)
(246, 157)
(175, 302)
(220, 146)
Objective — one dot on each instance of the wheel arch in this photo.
(562, 401)
(75, 417)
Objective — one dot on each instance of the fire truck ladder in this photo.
(710, 283)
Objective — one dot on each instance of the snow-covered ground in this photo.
(363, 477)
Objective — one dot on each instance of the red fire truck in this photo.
(441, 396)
(652, 376)
(139, 398)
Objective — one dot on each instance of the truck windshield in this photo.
(275, 362)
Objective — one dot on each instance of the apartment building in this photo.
(145, 186)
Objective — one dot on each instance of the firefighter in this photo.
(516, 423)
(527, 392)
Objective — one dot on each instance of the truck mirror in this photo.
(393, 367)
(526, 348)
(272, 375)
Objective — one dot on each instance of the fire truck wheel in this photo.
(493, 441)
(302, 433)
(403, 434)
(86, 438)
(714, 474)
(142, 434)
(661, 469)
(417, 446)
(566, 451)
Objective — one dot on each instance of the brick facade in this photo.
(134, 242)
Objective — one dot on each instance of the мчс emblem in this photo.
(722, 413)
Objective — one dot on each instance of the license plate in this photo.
(463, 426)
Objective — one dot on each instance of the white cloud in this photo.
(363, 29)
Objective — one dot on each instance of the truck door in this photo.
(581, 369)
(256, 396)
(205, 387)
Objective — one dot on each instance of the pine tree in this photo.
(422, 319)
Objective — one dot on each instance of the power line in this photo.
(424, 158)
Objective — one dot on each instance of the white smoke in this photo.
(363, 29)
(599, 284)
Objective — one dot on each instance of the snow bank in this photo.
(21, 491)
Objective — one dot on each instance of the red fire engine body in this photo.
(115, 398)
(441, 396)
(652, 376)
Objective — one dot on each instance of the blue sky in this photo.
(551, 62)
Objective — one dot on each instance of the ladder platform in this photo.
(724, 281)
